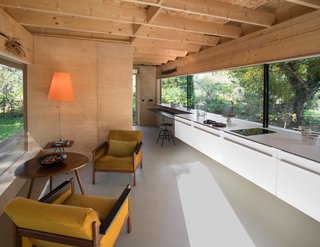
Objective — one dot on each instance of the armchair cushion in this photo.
(121, 148)
(66, 220)
(101, 204)
(112, 163)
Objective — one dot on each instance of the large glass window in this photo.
(295, 94)
(12, 141)
(174, 89)
(234, 91)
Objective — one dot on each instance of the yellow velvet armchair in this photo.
(64, 218)
(122, 152)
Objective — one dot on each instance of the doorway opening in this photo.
(134, 98)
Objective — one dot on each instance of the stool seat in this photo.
(165, 133)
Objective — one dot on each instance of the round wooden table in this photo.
(32, 169)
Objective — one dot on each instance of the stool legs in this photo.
(165, 134)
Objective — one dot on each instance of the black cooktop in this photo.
(252, 131)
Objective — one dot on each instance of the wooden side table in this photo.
(59, 148)
(32, 169)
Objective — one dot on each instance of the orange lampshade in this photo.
(61, 87)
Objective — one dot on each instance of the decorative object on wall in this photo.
(169, 71)
(60, 90)
(13, 45)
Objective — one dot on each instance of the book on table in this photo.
(62, 143)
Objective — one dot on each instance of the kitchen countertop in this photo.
(285, 140)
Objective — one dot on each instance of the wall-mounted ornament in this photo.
(13, 45)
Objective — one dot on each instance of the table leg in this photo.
(79, 181)
(30, 188)
(50, 183)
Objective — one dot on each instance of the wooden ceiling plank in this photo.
(149, 61)
(159, 51)
(139, 16)
(152, 13)
(81, 8)
(163, 44)
(315, 4)
(215, 9)
(29, 18)
(153, 56)
(180, 36)
(187, 24)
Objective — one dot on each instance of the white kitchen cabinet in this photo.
(183, 130)
(298, 183)
(254, 161)
(208, 141)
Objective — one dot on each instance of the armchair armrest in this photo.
(138, 147)
(58, 192)
(97, 149)
(112, 215)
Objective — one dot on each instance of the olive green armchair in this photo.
(122, 152)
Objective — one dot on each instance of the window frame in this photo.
(266, 88)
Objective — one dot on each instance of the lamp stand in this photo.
(59, 106)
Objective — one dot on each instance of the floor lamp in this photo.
(60, 90)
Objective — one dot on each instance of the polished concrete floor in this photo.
(183, 198)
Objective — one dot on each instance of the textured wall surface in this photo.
(147, 92)
(101, 78)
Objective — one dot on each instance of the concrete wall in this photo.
(101, 77)
(147, 87)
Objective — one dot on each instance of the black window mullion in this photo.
(265, 117)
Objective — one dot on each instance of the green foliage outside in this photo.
(11, 101)
(295, 94)
(236, 91)
(134, 100)
(294, 97)
(10, 126)
(174, 89)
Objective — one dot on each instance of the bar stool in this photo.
(165, 133)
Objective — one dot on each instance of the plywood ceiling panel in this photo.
(159, 30)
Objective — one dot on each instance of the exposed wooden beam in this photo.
(29, 18)
(153, 43)
(90, 9)
(158, 51)
(152, 13)
(126, 15)
(180, 36)
(62, 22)
(149, 57)
(215, 9)
(187, 24)
(315, 4)
(145, 63)
(149, 61)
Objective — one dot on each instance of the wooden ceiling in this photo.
(159, 30)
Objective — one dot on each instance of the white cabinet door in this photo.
(208, 141)
(254, 161)
(183, 130)
(298, 183)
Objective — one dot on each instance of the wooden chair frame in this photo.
(105, 146)
(97, 232)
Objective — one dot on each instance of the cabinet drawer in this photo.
(299, 187)
(183, 130)
(207, 141)
(257, 165)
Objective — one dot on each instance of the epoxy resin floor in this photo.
(183, 198)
